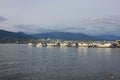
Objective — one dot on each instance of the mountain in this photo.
(107, 37)
(12, 35)
(9, 36)
(64, 36)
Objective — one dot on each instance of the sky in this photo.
(94, 17)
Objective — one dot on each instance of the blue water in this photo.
(20, 62)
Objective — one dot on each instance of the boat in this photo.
(30, 44)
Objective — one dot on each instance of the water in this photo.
(20, 62)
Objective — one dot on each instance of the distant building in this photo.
(118, 43)
(30, 44)
(39, 45)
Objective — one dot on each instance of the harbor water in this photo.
(20, 62)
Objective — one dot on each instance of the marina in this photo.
(77, 44)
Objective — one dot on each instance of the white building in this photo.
(30, 44)
(39, 45)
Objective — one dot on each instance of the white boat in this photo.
(39, 45)
(30, 44)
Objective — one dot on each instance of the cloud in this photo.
(96, 26)
(32, 28)
(84, 16)
(2, 19)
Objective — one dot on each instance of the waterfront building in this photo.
(39, 45)
(117, 43)
(83, 44)
(30, 44)
(51, 44)
(64, 44)
(68, 43)
(104, 45)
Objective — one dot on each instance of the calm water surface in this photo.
(20, 62)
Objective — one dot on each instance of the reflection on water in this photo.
(105, 51)
(82, 51)
(19, 62)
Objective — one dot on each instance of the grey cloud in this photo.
(38, 29)
(91, 30)
(109, 25)
(92, 27)
(33, 28)
(85, 16)
(2, 19)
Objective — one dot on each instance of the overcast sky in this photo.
(84, 16)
